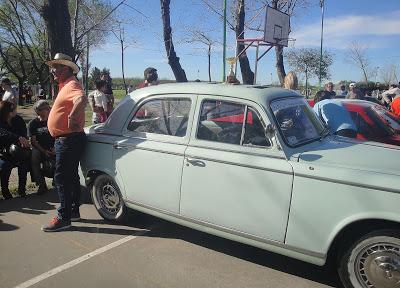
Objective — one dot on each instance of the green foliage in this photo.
(306, 60)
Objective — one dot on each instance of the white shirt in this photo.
(100, 100)
(10, 96)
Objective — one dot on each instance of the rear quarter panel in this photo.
(98, 156)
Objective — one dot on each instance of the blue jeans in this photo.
(69, 150)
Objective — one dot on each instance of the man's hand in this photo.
(73, 124)
(24, 142)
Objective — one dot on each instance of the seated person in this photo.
(336, 116)
(13, 131)
(42, 143)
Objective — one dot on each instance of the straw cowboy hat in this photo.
(65, 60)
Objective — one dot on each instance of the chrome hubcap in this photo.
(378, 266)
(109, 198)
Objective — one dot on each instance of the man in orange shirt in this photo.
(65, 123)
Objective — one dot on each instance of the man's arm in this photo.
(78, 108)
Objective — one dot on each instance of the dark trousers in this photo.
(37, 158)
(69, 150)
(5, 172)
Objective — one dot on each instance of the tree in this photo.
(289, 7)
(357, 55)
(58, 24)
(173, 60)
(306, 60)
(23, 42)
(389, 74)
(238, 16)
(198, 36)
(94, 75)
(247, 73)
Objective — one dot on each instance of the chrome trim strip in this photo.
(237, 151)
(241, 165)
(349, 183)
(231, 231)
(151, 149)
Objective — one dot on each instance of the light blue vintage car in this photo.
(255, 165)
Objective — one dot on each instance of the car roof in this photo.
(261, 94)
(357, 102)
(247, 92)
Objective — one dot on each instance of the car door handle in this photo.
(195, 162)
(120, 146)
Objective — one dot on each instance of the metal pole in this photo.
(255, 69)
(224, 46)
(322, 4)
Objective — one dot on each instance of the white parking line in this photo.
(75, 262)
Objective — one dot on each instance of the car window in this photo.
(296, 120)
(254, 131)
(162, 116)
(362, 126)
(221, 122)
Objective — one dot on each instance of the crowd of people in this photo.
(330, 109)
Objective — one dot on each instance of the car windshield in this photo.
(389, 118)
(297, 121)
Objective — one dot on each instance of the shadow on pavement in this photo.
(7, 227)
(167, 229)
(31, 204)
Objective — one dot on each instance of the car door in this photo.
(234, 177)
(150, 157)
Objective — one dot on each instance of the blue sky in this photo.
(373, 24)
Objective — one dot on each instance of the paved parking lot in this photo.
(144, 252)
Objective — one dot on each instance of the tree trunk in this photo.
(173, 60)
(20, 91)
(122, 66)
(247, 73)
(58, 24)
(280, 66)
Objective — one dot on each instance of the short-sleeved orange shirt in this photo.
(396, 106)
(69, 92)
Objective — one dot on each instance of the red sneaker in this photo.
(56, 225)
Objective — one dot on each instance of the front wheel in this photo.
(107, 198)
(372, 262)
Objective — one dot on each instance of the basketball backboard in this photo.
(277, 25)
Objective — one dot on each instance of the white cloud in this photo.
(339, 31)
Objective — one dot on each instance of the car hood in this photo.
(354, 154)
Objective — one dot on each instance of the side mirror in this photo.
(270, 131)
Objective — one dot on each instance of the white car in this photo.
(255, 165)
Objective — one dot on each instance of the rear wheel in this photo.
(107, 198)
(372, 262)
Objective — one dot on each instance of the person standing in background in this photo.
(9, 93)
(150, 78)
(108, 92)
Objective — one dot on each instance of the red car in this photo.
(373, 121)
